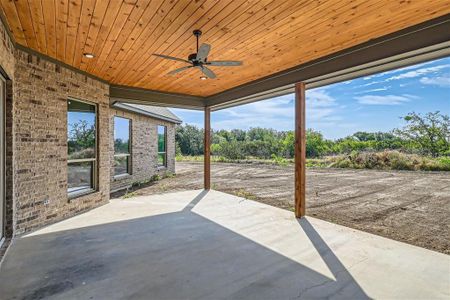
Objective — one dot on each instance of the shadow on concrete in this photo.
(179, 255)
(344, 284)
(196, 200)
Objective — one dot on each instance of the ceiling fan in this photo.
(200, 60)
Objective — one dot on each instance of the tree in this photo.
(316, 146)
(431, 132)
(189, 139)
(287, 145)
(81, 141)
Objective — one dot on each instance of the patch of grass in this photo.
(245, 194)
(129, 195)
(164, 187)
(281, 161)
(249, 160)
(319, 162)
(386, 160)
(169, 175)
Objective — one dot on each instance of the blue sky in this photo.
(372, 103)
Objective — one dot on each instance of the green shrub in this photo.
(232, 150)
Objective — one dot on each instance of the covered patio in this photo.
(198, 244)
(210, 245)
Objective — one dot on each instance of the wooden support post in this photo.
(207, 149)
(300, 150)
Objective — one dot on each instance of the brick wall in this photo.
(7, 62)
(36, 140)
(41, 90)
(144, 148)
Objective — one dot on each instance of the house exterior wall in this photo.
(7, 63)
(144, 149)
(41, 89)
(36, 140)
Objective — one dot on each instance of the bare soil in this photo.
(412, 207)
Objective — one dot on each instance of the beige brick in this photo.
(144, 148)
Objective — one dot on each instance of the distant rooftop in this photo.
(157, 112)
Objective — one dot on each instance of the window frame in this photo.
(164, 165)
(128, 155)
(94, 186)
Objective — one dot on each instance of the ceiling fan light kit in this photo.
(200, 60)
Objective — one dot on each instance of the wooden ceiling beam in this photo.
(127, 94)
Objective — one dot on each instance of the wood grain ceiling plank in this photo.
(37, 19)
(239, 36)
(62, 13)
(210, 33)
(218, 18)
(326, 37)
(148, 22)
(264, 54)
(95, 26)
(12, 17)
(346, 37)
(165, 20)
(269, 35)
(48, 11)
(268, 53)
(104, 63)
(274, 41)
(178, 35)
(348, 25)
(108, 28)
(23, 11)
(87, 10)
(73, 25)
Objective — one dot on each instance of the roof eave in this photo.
(124, 106)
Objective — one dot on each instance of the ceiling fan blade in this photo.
(203, 52)
(208, 72)
(171, 58)
(173, 72)
(225, 63)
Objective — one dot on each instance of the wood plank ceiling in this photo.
(268, 35)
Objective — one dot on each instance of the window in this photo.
(81, 144)
(162, 144)
(122, 146)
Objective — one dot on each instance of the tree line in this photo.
(427, 135)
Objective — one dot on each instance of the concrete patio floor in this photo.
(211, 245)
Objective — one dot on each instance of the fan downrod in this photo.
(192, 57)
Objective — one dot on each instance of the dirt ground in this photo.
(412, 207)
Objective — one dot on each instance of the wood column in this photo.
(207, 149)
(300, 150)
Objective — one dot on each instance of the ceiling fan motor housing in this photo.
(193, 57)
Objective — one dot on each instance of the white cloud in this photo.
(384, 100)
(319, 98)
(418, 72)
(385, 88)
(406, 72)
(275, 113)
(321, 108)
(442, 81)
